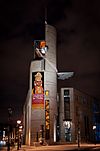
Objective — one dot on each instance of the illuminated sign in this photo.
(47, 119)
(37, 90)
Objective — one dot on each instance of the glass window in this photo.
(67, 110)
(67, 99)
(66, 92)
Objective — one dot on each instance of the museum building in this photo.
(54, 117)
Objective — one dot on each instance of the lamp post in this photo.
(18, 124)
(20, 132)
(78, 135)
(9, 120)
(94, 129)
(8, 146)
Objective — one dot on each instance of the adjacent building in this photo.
(76, 116)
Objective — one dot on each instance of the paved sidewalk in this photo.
(73, 147)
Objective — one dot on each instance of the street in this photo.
(74, 147)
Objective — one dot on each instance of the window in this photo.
(67, 109)
(67, 99)
(66, 93)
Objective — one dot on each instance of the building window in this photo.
(67, 99)
(67, 108)
(66, 93)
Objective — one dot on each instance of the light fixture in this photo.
(21, 127)
(94, 127)
(18, 121)
(44, 50)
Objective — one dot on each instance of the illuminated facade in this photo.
(67, 117)
(40, 109)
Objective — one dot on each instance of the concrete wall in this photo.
(80, 107)
(37, 115)
(33, 118)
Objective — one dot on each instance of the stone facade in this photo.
(34, 118)
(81, 115)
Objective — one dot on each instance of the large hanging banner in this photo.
(38, 90)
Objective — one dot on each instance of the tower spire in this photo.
(45, 15)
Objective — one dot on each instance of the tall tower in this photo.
(50, 80)
(40, 109)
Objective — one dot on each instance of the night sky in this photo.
(78, 46)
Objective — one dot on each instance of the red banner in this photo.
(38, 101)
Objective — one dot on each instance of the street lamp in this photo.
(78, 137)
(20, 131)
(9, 120)
(18, 122)
(94, 129)
(18, 125)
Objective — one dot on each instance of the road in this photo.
(73, 147)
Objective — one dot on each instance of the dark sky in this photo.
(78, 46)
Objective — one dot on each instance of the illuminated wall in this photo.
(42, 108)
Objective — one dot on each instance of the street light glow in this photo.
(94, 127)
(18, 121)
(21, 127)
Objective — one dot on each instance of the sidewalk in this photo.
(73, 147)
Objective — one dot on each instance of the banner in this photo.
(37, 90)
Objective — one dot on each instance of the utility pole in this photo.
(78, 137)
